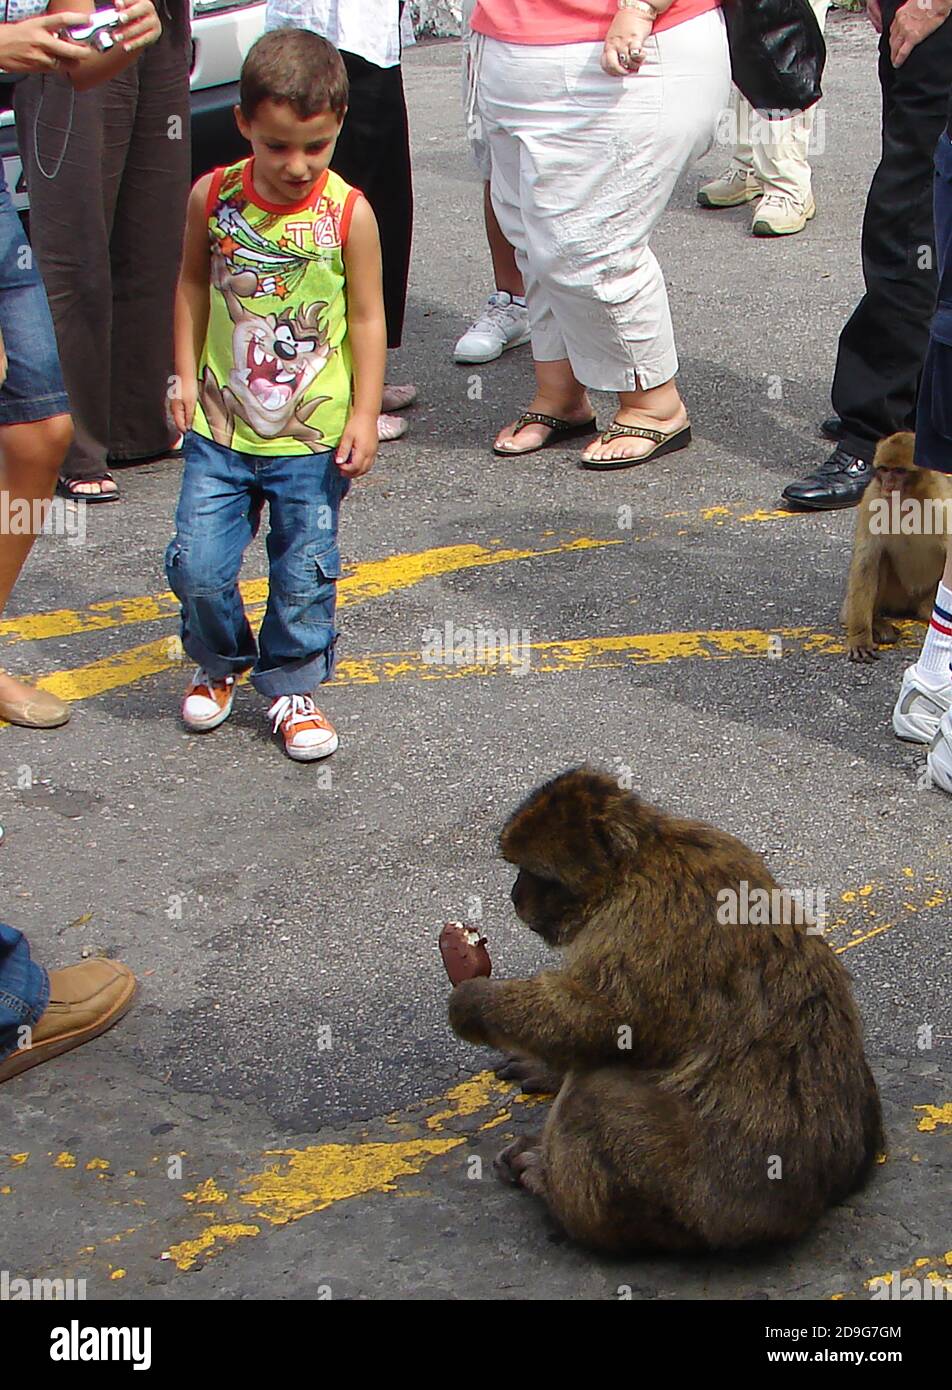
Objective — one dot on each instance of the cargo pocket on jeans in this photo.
(315, 606)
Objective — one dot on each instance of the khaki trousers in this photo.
(777, 151)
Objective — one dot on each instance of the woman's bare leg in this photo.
(31, 456)
(505, 271)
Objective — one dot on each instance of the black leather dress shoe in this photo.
(832, 428)
(839, 482)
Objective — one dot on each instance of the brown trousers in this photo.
(107, 234)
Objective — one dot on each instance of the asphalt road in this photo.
(290, 1045)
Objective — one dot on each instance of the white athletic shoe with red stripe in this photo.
(920, 706)
(939, 760)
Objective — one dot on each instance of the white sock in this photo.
(935, 659)
(519, 299)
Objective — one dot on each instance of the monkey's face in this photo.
(893, 480)
(545, 906)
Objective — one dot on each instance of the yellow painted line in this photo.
(212, 1238)
(546, 658)
(926, 1267)
(598, 653)
(366, 580)
(933, 1116)
(862, 897)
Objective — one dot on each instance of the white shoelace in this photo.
(203, 678)
(496, 315)
(784, 201)
(299, 707)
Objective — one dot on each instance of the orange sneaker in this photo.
(207, 702)
(307, 733)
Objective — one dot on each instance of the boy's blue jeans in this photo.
(219, 510)
(24, 989)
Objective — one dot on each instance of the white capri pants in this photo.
(583, 165)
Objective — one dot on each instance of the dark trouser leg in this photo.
(882, 347)
(373, 154)
(70, 218)
(146, 246)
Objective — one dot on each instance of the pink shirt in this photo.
(566, 21)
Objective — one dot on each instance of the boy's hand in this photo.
(3, 361)
(182, 404)
(358, 446)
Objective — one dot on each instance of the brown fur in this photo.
(894, 575)
(746, 1043)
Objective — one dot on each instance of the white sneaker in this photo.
(778, 214)
(207, 702)
(920, 707)
(939, 759)
(307, 733)
(735, 186)
(502, 325)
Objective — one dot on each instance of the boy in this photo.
(280, 344)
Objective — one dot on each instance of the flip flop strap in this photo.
(617, 431)
(535, 417)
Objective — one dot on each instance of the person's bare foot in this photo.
(633, 446)
(575, 411)
(94, 489)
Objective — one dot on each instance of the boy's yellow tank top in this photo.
(275, 373)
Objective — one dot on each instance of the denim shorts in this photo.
(934, 414)
(34, 388)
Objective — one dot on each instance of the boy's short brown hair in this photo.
(297, 68)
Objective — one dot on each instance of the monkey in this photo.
(899, 547)
(712, 1087)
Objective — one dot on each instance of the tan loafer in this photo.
(38, 710)
(85, 1000)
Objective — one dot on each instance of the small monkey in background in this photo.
(899, 548)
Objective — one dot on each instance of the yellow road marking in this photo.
(932, 1117)
(369, 579)
(864, 897)
(546, 658)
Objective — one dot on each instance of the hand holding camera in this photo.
(131, 25)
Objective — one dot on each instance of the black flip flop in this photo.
(65, 488)
(664, 444)
(561, 430)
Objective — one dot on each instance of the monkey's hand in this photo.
(468, 1006)
(861, 647)
(551, 1017)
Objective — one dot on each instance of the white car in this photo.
(222, 33)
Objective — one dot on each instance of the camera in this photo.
(96, 34)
